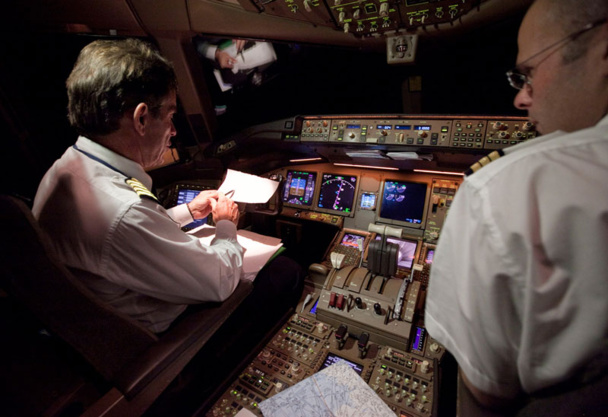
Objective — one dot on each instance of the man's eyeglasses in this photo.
(520, 75)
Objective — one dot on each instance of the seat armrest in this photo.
(178, 345)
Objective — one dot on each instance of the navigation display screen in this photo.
(338, 193)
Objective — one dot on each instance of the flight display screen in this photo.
(352, 240)
(331, 358)
(337, 193)
(299, 188)
(403, 201)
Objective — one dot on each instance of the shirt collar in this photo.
(125, 165)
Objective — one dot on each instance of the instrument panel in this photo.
(428, 132)
(368, 289)
(369, 17)
(350, 311)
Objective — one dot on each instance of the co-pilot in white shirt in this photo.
(127, 248)
(519, 285)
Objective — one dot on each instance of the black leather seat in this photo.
(136, 364)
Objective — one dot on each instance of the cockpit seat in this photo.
(136, 364)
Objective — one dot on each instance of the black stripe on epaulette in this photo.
(140, 189)
(493, 156)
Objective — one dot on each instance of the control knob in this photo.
(359, 303)
(378, 309)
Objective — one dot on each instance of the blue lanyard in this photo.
(101, 161)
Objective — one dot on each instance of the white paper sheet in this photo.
(248, 188)
(258, 248)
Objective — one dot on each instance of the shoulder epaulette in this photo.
(484, 161)
(140, 189)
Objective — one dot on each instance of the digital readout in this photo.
(403, 127)
(422, 127)
(384, 127)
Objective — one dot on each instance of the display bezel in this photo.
(319, 190)
(404, 223)
(313, 197)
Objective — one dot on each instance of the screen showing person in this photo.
(406, 253)
(352, 240)
(299, 188)
(337, 193)
(403, 202)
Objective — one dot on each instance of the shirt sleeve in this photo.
(469, 307)
(180, 214)
(148, 253)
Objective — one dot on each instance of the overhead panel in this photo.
(367, 17)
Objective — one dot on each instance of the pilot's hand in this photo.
(224, 59)
(201, 205)
(239, 43)
(225, 209)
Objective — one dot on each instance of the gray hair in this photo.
(111, 77)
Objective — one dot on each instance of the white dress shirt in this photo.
(519, 285)
(127, 248)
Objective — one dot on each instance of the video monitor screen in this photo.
(338, 193)
(403, 202)
(185, 195)
(331, 358)
(299, 188)
(407, 251)
(351, 240)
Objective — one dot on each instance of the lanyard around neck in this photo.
(97, 159)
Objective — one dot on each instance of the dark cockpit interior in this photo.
(368, 114)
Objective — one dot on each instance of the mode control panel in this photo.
(444, 132)
(365, 18)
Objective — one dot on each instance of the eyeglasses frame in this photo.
(517, 72)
